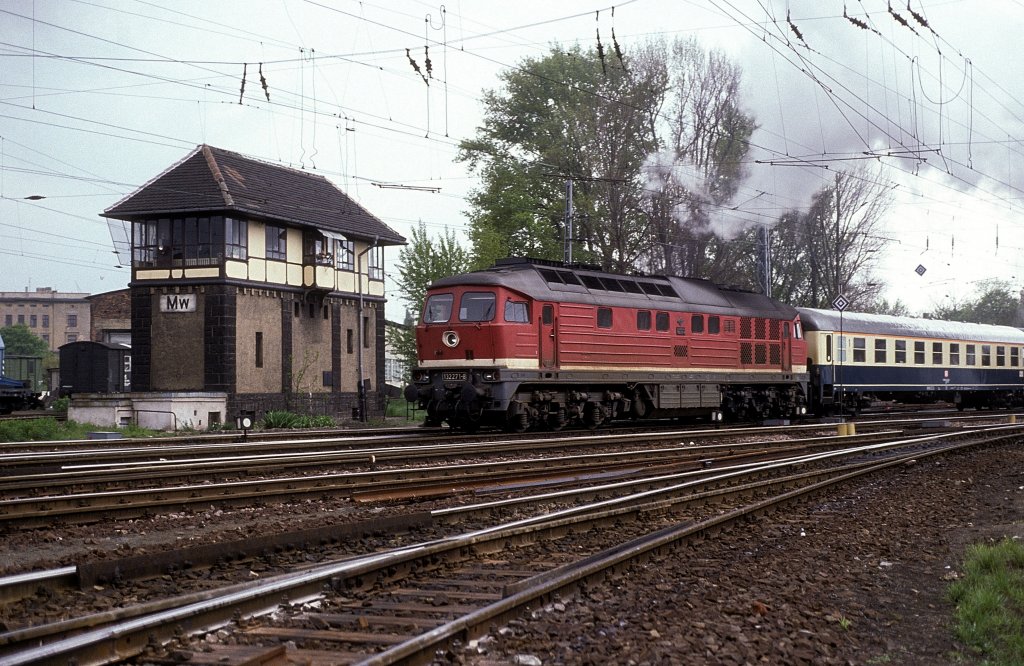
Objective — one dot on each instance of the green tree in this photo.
(994, 303)
(19, 340)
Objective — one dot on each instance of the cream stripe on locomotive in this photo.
(532, 364)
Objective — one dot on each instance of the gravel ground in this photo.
(859, 578)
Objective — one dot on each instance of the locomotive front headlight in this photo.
(421, 377)
(489, 375)
(450, 338)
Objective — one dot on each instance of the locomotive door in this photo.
(547, 336)
(787, 346)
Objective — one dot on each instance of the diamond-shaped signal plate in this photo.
(840, 303)
(920, 269)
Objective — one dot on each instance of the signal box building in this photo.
(256, 282)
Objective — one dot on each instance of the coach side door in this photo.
(547, 336)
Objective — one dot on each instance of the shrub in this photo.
(280, 419)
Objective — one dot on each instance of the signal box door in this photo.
(547, 336)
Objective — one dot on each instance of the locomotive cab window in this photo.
(643, 320)
(604, 317)
(697, 324)
(476, 306)
(661, 321)
(516, 312)
(439, 309)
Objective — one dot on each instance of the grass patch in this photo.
(35, 430)
(990, 602)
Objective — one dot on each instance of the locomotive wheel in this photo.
(593, 415)
(557, 419)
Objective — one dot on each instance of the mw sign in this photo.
(178, 303)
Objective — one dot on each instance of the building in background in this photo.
(57, 317)
(110, 318)
(254, 287)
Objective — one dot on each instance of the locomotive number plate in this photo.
(453, 376)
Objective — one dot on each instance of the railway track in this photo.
(407, 603)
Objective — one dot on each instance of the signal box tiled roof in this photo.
(212, 180)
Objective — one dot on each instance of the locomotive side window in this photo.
(937, 353)
(954, 353)
(547, 314)
(476, 306)
(643, 320)
(697, 324)
(919, 352)
(986, 354)
(860, 350)
(661, 321)
(901, 351)
(516, 312)
(714, 325)
(971, 358)
(881, 350)
(1000, 355)
(439, 309)
(604, 317)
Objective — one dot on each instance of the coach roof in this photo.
(910, 327)
(551, 281)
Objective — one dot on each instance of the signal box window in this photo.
(477, 306)
(697, 324)
(277, 242)
(604, 317)
(954, 353)
(860, 350)
(714, 325)
(439, 309)
(515, 311)
(880, 351)
(937, 353)
(643, 320)
(901, 351)
(661, 321)
(972, 358)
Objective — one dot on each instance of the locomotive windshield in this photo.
(439, 309)
(476, 306)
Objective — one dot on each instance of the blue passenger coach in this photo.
(854, 358)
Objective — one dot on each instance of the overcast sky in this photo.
(99, 96)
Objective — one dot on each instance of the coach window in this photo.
(714, 325)
(971, 357)
(880, 351)
(516, 312)
(476, 306)
(919, 353)
(954, 353)
(937, 353)
(439, 309)
(986, 354)
(860, 350)
(1000, 355)
(604, 317)
(547, 314)
(697, 324)
(643, 320)
(1015, 357)
(661, 321)
(901, 351)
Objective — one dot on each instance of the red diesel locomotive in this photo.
(532, 343)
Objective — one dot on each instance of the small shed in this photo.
(95, 367)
